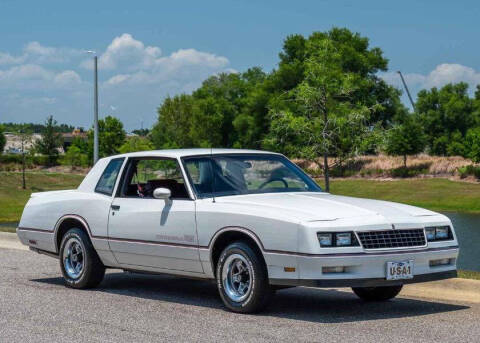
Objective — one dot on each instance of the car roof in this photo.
(176, 153)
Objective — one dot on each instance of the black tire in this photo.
(377, 293)
(259, 293)
(93, 269)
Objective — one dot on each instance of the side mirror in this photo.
(162, 193)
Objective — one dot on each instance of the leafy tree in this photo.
(111, 137)
(446, 115)
(406, 138)
(172, 129)
(136, 143)
(238, 109)
(75, 157)
(3, 140)
(50, 142)
(329, 124)
(472, 144)
(219, 113)
(354, 56)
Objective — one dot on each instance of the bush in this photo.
(411, 171)
(470, 170)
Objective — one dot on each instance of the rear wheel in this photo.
(377, 293)
(81, 267)
(242, 279)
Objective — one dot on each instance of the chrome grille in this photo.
(408, 238)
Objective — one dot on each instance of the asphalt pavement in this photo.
(35, 306)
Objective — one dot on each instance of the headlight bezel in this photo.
(445, 236)
(334, 239)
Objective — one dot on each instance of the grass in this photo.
(433, 193)
(469, 274)
(13, 198)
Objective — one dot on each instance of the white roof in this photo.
(175, 153)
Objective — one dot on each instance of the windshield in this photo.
(246, 174)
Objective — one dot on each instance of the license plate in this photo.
(400, 270)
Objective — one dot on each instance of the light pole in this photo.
(406, 88)
(95, 106)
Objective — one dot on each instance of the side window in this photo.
(145, 175)
(107, 181)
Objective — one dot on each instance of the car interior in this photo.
(140, 183)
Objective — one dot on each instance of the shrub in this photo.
(470, 170)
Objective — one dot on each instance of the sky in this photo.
(151, 49)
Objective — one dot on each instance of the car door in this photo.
(154, 233)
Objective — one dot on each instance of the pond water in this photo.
(467, 227)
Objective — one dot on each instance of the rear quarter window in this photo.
(106, 183)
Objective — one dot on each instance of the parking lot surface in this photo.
(36, 307)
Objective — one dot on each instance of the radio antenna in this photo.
(213, 173)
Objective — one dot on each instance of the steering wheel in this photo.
(272, 180)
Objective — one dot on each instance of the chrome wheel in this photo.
(237, 277)
(73, 258)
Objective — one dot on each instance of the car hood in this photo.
(325, 206)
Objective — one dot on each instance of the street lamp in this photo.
(95, 106)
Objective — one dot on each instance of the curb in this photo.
(10, 241)
(457, 289)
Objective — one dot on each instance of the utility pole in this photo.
(95, 105)
(406, 88)
(95, 109)
(24, 186)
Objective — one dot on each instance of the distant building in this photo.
(69, 137)
(13, 144)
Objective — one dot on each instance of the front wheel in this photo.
(377, 293)
(242, 279)
(81, 267)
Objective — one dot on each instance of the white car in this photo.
(252, 220)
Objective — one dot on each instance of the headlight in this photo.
(430, 231)
(325, 239)
(438, 233)
(337, 239)
(343, 239)
(442, 232)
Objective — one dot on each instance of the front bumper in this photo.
(373, 282)
(360, 269)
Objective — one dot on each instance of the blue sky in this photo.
(149, 49)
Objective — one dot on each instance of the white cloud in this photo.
(134, 79)
(67, 77)
(126, 53)
(36, 53)
(6, 58)
(442, 74)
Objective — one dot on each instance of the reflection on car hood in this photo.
(325, 206)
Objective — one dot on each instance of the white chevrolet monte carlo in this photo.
(252, 220)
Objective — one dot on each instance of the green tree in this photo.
(326, 111)
(446, 115)
(50, 142)
(173, 127)
(472, 144)
(75, 157)
(111, 137)
(136, 143)
(406, 138)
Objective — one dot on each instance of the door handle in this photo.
(115, 207)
